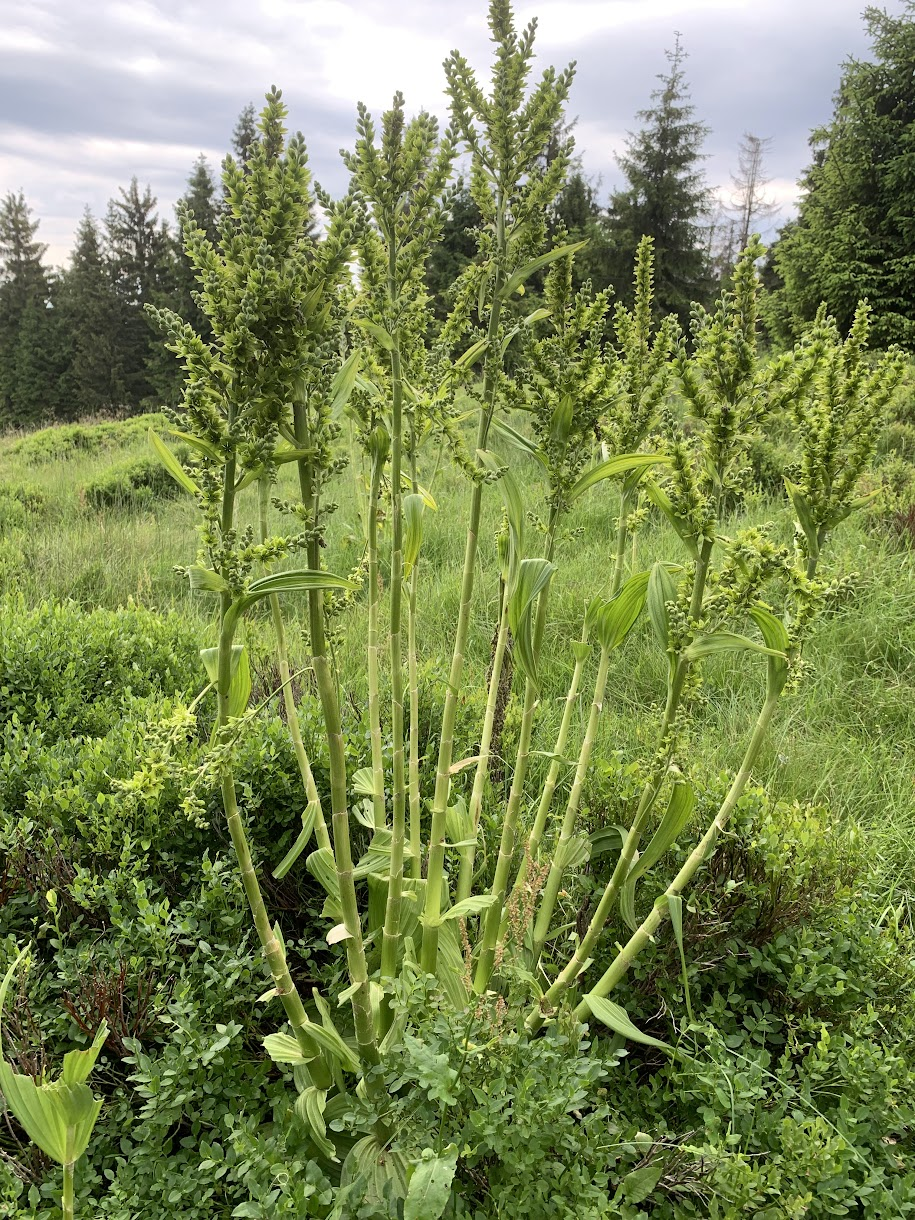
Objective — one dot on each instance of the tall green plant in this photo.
(507, 133)
(293, 340)
(271, 297)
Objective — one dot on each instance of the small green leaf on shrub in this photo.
(430, 1185)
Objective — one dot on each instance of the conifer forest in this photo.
(457, 644)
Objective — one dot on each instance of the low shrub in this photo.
(63, 441)
(136, 483)
(18, 503)
(73, 672)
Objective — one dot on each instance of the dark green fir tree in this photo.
(90, 311)
(666, 198)
(143, 264)
(32, 356)
(202, 201)
(855, 231)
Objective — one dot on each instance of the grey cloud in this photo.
(770, 69)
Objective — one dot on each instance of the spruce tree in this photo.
(667, 198)
(143, 266)
(30, 348)
(244, 135)
(90, 312)
(200, 200)
(456, 248)
(854, 233)
(577, 213)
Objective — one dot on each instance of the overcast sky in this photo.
(95, 91)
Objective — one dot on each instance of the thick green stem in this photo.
(327, 693)
(268, 936)
(391, 937)
(413, 767)
(292, 715)
(559, 749)
(646, 930)
(557, 867)
(622, 532)
(495, 915)
(465, 878)
(66, 1198)
(680, 671)
(436, 866)
(374, 709)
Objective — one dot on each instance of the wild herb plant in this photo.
(57, 1115)
(271, 387)
(272, 296)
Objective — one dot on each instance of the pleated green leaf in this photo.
(686, 531)
(205, 580)
(534, 576)
(613, 467)
(413, 508)
(724, 641)
(171, 463)
(613, 620)
(309, 817)
(344, 382)
(617, 1019)
(661, 590)
(309, 1107)
(514, 282)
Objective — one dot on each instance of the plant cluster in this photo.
(459, 960)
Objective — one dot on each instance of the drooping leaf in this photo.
(413, 506)
(679, 809)
(723, 641)
(430, 1184)
(337, 933)
(534, 576)
(514, 282)
(309, 1106)
(607, 839)
(296, 581)
(617, 1019)
(474, 905)
(675, 907)
(206, 580)
(323, 868)
(661, 590)
(378, 333)
(613, 467)
(284, 1049)
(613, 620)
(309, 817)
(518, 440)
(344, 383)
(676, 815)
(171, 463)
(686, 531)
(197, 442)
